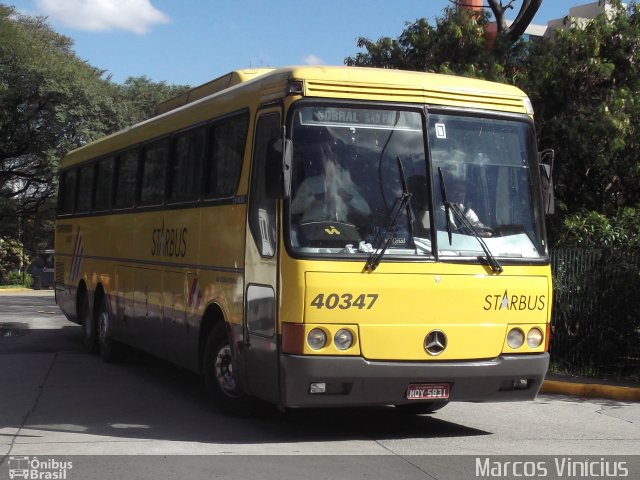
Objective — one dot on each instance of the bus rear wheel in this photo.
(219, 376)
(106, 345)
(89, 330)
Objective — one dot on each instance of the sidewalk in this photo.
(590, 387)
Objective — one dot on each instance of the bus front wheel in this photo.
(219, 376)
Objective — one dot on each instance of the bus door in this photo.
(261, 267)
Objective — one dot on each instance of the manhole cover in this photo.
(13, 329)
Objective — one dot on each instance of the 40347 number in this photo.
(344, 301)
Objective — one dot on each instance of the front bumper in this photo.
(353, 381)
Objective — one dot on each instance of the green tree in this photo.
(50, 102)
(584, 84)
(140, 95)
(456, 45)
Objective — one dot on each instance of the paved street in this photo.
(57, 400)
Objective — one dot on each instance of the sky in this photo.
(189, 42)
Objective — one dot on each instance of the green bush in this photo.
(15, 278)
(589, 229)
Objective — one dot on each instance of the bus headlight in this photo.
(515, 338)
(343, 339)
(317, 339)
(534, 338)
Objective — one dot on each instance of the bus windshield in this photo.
(352, 167)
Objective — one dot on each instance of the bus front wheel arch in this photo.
(219, 376)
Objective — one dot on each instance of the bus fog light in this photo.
(515, 338)
(534, 338)
(343, 339)
(317, 339)
(319, 387)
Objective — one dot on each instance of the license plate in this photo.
(428, 391)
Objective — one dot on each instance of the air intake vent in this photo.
(417, 94)
(59, 272)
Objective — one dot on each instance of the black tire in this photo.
(421, 407)
(219, 377)
(89, 330)
(107, 346)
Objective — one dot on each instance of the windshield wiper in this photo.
(401, 204)
(460, 217)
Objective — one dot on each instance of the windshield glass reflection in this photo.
(347, 183)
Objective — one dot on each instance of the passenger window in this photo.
(155, 158)
(228, 138)
(126, 170)
(67, 191)
(104, 182)
(85, 189)
(188, 154)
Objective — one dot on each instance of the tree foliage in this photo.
(138, 97)
(456, 45)
(51, 102)
(584, 83)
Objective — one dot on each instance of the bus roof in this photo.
(341, 82)
(213, 86)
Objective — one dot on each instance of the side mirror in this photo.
(546, 159)
(278, 169)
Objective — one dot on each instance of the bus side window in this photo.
(126, 169)
(153, 172)
(104, 183)
(85, 188)
(68, 191)
(188, 154)
(228, 139)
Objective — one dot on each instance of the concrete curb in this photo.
(14, 289)
(612, 392)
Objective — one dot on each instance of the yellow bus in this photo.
(319, 236)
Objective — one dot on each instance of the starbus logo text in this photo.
(169, 242)
(515, 302)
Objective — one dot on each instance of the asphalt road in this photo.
(56, 401)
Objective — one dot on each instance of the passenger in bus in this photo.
(330, 194)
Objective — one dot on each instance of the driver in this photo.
(331, 195)
(457, 193)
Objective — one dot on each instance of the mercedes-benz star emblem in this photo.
(435, 342)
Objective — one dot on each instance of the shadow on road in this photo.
(49, 384)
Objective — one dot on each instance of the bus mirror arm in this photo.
(546, 160)
(278, 170)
